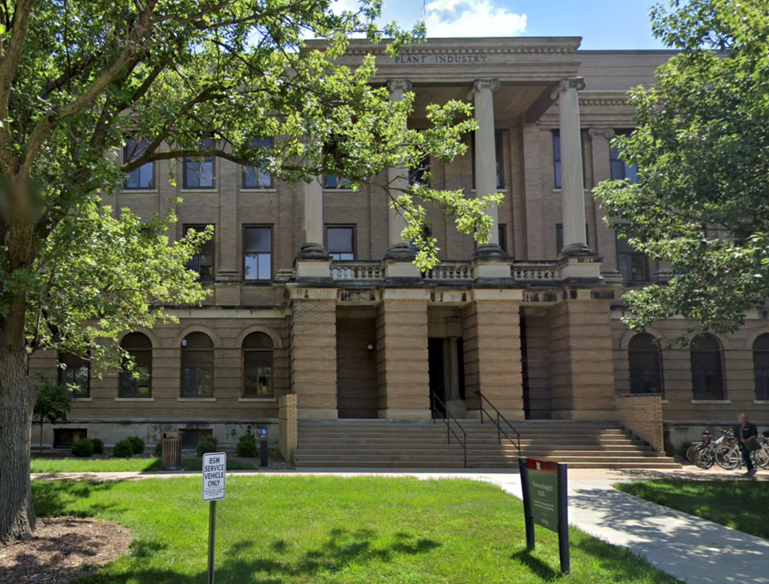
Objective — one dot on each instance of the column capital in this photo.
(398, 84)
(576, 83)
(607, 133)
(481, 84)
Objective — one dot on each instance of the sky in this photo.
(603, 24)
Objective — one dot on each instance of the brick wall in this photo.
(642, 415)
(287, 426)
(313, 357)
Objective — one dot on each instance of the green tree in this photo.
(700, 146)
(78, 77)
(52, 404)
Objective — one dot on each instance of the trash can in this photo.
(171, 450)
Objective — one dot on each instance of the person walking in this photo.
(747, 435)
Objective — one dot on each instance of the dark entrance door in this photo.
(437, 378)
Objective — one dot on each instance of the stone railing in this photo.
(345, 270)
(449, 272)
(542, 271)
(641, 414)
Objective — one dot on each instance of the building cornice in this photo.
(468, 46)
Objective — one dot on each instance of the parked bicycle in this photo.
(728, 456)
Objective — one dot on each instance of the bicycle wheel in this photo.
(728, 457)
(703, 456)
(691, 454)
(761, 458)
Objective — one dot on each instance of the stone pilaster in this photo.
(492, 347)
(313, 352)
(572, 180)
(402, 359)
(581, 358)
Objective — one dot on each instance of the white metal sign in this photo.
(214, 469)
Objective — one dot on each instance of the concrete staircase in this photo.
(369, 444)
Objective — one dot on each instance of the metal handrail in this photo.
(449, 430)
(500, 417)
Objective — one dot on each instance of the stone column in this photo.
(492, 346)
(600, 142)
(312, 262)
(402, 357)
(313, 352)
(581, 358)
(572, 181)
(312, 221)
(486, 155)
(398, 179)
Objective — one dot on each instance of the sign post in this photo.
(545, 502)
(263, 447)
(214, 472)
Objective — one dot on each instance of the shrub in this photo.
(159, 449)
(98, 445)
(122, 449)
(207, 444)
(247, 446)
(83, 448)
(137, 444)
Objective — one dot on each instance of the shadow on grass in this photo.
(536, 565)
(340, 548)
(54, 499)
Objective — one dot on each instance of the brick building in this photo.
(314, 293)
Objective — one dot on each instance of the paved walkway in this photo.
(686, 547)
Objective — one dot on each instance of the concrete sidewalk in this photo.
(689, 548)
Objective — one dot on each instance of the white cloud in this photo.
(471, 18)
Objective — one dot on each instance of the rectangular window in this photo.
(190, 437)
(632, 264)
(75, 373)
(559, 237)
(621, 170)
(335, 182)
(200, 172)
(203, 261)
(65, 437)
(142, 178)
(502, 230)
(557, 168)
(197, 373)
(417, 175)
(257, 254)
(499, 152)
(257, 373)
(340, 242)
(255, 177)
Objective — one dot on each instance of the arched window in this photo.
(75, 373)
(761, 366)
(137, 383)
(645, 364)
(257, 365)
(197, 365)
(707, 369)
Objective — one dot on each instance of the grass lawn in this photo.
(738, 504)
(292, 530)
(120, 464)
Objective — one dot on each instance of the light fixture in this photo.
(370, 347)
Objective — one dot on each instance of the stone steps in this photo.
(371, 444)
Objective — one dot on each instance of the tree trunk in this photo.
(17, 400)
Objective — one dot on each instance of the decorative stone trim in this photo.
(398, 84)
